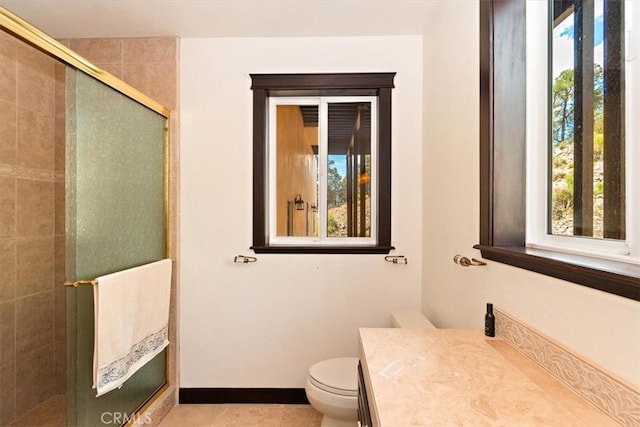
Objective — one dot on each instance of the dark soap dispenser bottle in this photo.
(489, 322)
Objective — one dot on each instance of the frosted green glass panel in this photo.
(115, 220)
(119, 181)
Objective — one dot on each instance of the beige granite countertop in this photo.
(455, 377)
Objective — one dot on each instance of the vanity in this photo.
(457, 377)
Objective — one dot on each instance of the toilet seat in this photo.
(338, 376)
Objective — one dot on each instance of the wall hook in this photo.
(396, 259)
(243, 259)
(466, 262)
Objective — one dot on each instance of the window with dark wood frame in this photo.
(334, 84)
(503, 159)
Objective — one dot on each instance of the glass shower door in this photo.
(115, 219)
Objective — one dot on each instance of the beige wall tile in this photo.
(35, 207)
(60, 330)
(60, 70)
(106, 51)
(7, 332)
(59, 261)
(7, 270)
(60, 375)
(8, 67)
(34, 371)
(152, 49)
(115, 69)
(34, 322)
(7, 206)
(59, 145)
(8, 132)
(59, 208)
(35, 272)
(60, 121)
(156, 80)
(36, 140)
(59, 289)
(31, 96)
(50, 413)
(36, 80)
(7, 393)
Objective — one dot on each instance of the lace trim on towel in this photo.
(120, 368)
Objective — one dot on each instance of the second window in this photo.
(322, 157)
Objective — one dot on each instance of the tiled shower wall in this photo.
(148, 64)
(32, 324)
(32, 328)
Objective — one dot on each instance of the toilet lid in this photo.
(339, 376)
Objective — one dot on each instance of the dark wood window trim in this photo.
(265, 85)
(502, 162)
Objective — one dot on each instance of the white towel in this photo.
(131, 322)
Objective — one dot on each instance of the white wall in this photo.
(602, 327)
(264, 324)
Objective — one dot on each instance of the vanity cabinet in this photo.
(364, 415)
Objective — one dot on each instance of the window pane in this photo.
(587, 91)
(562, 99)
(349, 170)
(296, 170)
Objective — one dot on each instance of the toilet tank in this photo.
(410, 319)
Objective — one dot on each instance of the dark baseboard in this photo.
(291, 396)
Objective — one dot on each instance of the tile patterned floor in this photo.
(227, 415)
(51, 413)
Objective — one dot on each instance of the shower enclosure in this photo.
(83, 192)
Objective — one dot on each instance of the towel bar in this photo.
(81, 282)
(243, 259)
(396, 259)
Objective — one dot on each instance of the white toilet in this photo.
(332, 389)
(332, 385)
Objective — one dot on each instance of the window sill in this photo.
(377, 250)
(614, 277)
